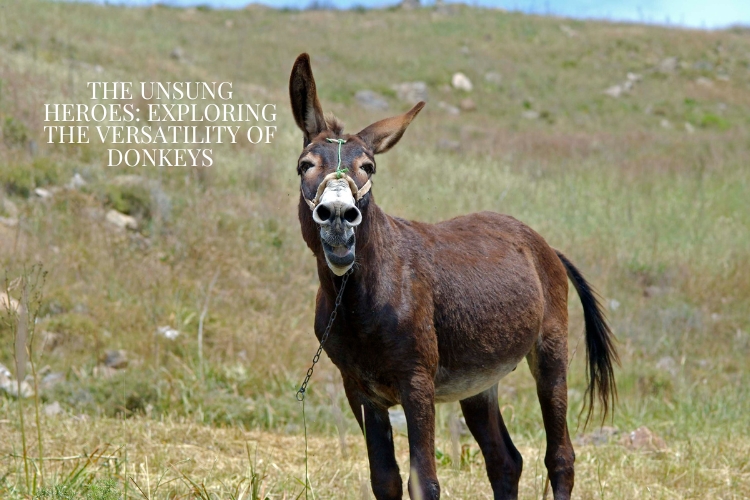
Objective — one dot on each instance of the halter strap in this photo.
(340, 173)
(357, 193)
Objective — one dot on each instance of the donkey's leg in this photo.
(548, 361)
(384, 476)
(501, 458)
(418, 400)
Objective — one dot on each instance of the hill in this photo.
(625, 146)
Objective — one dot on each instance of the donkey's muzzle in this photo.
(337, 207)
(340, 256)
(337, 215)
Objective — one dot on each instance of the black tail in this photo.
(600, 349)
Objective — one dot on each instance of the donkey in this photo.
(436, 312)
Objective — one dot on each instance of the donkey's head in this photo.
(335, 169)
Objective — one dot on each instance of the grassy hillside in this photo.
(648, 193)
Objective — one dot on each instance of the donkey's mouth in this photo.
(339, 257)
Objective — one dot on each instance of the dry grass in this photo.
(656, 217)
(165, 458)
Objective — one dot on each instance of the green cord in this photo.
(339, 171)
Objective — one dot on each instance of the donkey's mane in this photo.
(334, 124)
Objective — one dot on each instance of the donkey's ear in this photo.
(305, 105)
(383, 135)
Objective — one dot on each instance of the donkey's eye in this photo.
(369, 168)
(304, 167)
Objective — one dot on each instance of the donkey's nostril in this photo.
(351, 215)
(323, 213)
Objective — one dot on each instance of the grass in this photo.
(653, 211)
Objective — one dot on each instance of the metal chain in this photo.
(301, 392)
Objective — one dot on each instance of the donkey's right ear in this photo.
(305, 105)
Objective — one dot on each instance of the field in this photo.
(647, 192)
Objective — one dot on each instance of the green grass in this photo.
(656, 217)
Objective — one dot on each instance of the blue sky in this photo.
(689, 13)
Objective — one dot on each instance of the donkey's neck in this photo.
(374, 247)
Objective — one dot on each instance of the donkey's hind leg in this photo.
(502, 459)
(548, 361)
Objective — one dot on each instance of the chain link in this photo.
(301, 392)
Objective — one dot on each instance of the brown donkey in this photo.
(436, 312)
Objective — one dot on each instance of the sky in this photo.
(687, 13)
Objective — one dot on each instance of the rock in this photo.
(9, 221)
(574, 396)
(463, 429)
(398, 419)
(655, 291)
(703, 66)
(598, 436)
(50, 340)
(614, 91)
(689, 128)
(10, 208)
(467, 104)
(10, 386)
(449, 145)
(121, 220)
(27, 388)
(411, 92)
(459, 81)
(370, 99)
(177, 53)
(448, 108)
(410, 4)
(643, 439)
(76, 182)
(626, 86)
(614, 304)
(530, 114)
(5, 306)
(494, 78)
(667, 364)
(723, 78)
(53, 409)
(704, 82)
(444, 9)
(668, 65)
(116, 358)
(6, 379)
(665, 123)
(568, 31)
(51, 379)
(228, 24)
(43, 193)
(104, 372)
(633, 77)
(168, 332)
(146, 197)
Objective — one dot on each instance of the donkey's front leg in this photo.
(376, 425)
(418, 400)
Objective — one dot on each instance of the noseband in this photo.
(358, 193)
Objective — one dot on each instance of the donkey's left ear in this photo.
(305, 104)
(383, 135)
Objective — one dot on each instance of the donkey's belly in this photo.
(454, 385)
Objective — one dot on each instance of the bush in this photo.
(21, 180)
(101, 489)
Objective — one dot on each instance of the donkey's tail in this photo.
(600, 349)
